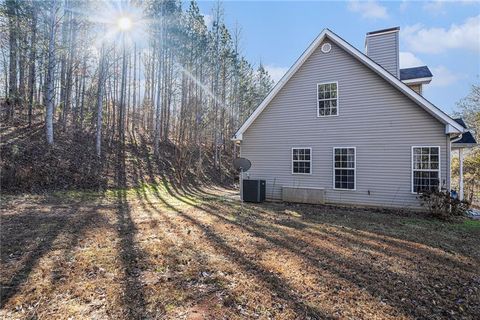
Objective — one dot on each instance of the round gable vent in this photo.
(326, 47)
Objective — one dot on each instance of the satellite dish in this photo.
(242, 164)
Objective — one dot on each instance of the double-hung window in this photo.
(344, 168)
(327, 99)
(301, 160)
(425, 168)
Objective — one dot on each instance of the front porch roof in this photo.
(467, 140)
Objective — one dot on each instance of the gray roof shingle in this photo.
(383, 30)
(415, 73)
(467, 137)
(460, 122)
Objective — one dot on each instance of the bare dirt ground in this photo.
(154, 252)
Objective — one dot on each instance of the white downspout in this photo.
(460, 182)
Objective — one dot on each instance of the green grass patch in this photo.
(470, 225)
(423, 222)
(464, 225)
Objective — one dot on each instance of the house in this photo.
(346, 127)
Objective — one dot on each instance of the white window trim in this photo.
(354, 169)
(338, 104)
(413, 170)
(311, 161)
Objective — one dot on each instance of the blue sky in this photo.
(441, 34)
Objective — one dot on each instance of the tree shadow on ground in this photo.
(187, 280)
(195, 282)
(361, 254)
(158, 171)
(130, 255)
(360, 225)
(27, 237)
(438, 277)
(271, 281)
(10, 135)
(402, 228)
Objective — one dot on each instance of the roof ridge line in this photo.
(420, 100)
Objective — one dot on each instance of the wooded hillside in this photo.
(84, 82)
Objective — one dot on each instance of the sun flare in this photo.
(119, 22)
(124, 23)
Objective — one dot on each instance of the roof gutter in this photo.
(457, 138)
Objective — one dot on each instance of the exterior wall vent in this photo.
(326, 47)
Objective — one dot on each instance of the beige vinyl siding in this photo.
(384, 50)
(374, 117)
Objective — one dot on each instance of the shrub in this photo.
(442, 205)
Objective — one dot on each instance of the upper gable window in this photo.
(327, 99)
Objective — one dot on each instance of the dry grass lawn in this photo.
(158, 253)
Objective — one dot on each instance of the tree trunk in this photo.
(69, 77)
(128, 77)
(121, 115)
(5, 69)
(50, 75)
(156, 141)
(12, 86)
(134, 87)
(22, 42)
(82, 103)
(99, 103)
(33, 46)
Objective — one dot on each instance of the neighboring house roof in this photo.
(451, 125)
(415, 73)
(467, 137)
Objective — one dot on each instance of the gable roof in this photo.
(451, 125)
(415, 73)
